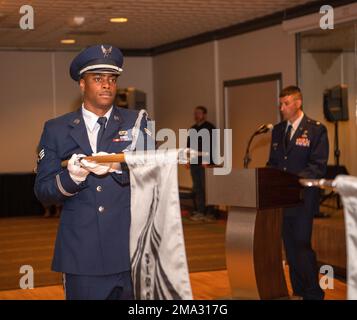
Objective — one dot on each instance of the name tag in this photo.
(123, 135)
(121, 139)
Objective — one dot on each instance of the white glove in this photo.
(76, 172)
(100, 168)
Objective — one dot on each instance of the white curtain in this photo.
(157, 248)
(347, 188)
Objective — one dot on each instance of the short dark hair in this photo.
(202, 108)
(291, 90)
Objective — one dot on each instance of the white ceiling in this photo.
(151, 22)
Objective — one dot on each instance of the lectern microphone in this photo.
(264, 128)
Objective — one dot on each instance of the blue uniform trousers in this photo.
(104, 287)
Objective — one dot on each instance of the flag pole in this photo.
(120, 157)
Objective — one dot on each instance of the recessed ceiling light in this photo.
(78, 20)
(68, 41)
(119, 20)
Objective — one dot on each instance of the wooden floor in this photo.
(329, 240)
(27, 241)
(31, 240)
(205, 286)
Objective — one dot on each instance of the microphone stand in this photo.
(247, 158)
(262, 129)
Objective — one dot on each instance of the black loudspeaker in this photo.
(131, 98)
(336, 103)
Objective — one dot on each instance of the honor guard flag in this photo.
(347, 188)
(157, 249)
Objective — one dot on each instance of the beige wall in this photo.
(35, 87)
(187, 77)
(245, 114)
(262, 52)
(138, 73)
(324, 70)
(183, 79)
(26, 102)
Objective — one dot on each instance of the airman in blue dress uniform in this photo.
(92, 245)
(300, 146)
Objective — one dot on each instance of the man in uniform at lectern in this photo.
(300, 146)
(92, 245)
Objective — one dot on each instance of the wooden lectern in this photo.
(253, 235)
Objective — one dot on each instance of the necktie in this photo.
(287, 136)
(102, 121)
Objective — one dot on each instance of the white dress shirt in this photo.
(92, 126)
(295, 125)
(90, 119)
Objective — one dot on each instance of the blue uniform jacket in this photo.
(306, 156)
(93, 234)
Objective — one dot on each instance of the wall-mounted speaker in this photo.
(336, 103)
(130, 98)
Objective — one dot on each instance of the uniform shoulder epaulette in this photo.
(316, 123)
